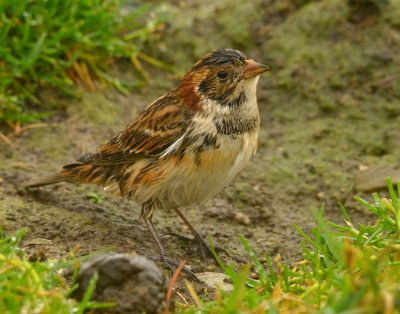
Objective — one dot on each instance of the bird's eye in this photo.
(222, 75)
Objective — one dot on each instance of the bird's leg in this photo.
(205, 249)
(147, 214)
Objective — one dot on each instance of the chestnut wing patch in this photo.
(155, 129)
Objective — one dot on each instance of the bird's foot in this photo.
(172, 266)
(203, 247)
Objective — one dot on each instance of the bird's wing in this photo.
(155, 132)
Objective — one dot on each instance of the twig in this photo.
(182, 297)
(172, 284)
(5, 139)
(31, 126)
(140, 68)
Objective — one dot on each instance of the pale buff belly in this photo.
(179, 182)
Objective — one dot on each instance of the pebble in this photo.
(242, 218)
(215, 280)
(321, 195)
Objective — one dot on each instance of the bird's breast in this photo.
(201, 173)
(206, 162)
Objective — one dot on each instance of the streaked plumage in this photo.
(186, 145)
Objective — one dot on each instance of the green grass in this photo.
(36, 287)
(64, 43)
(345, 269)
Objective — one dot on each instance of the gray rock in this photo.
(374, 178)
(134, 283)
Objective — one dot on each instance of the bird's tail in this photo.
(76, 173)
(45, 181)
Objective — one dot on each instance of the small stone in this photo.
(134, 283)
(215, 280)
(242, 218)
(321, 195)
(254, 275)
(362, 167)
(374, 178)
(220, 209)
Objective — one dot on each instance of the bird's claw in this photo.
(172, 266)
(204, 247)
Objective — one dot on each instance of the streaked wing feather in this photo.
(154, 131)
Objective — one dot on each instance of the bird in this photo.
(184, 147)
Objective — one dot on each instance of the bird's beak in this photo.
(253, 68)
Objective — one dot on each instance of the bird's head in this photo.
(223, 76)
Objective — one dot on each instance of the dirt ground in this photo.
(330, 114)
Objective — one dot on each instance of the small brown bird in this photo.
(185, 146)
